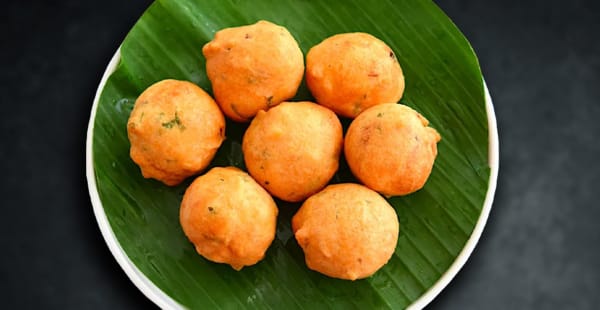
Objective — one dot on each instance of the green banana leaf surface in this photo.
(443, 82)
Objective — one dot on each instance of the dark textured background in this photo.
(540, 249)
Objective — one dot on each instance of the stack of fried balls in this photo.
(291, 149)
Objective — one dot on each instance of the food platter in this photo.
(150, 262)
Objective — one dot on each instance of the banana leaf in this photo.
(443, 82)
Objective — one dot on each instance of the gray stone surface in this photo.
(540, 250)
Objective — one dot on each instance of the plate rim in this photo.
(164, 301)
(465, 253)
(139, 279)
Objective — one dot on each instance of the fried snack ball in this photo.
(390, 149)
(228, 217)
(346, 231)
(253, 68)
(175, 129)
(350, 72)
(293, 149)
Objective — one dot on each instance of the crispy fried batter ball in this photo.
(390, 149)
(293, 149)
(253, 68)
(352, 71)
(346, 231)
(228, 217)
(175, 129)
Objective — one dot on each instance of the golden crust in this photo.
(390, 149)
(353, 71)
(293, 149)
(253, 68)
(175, 129)
(228, 217)
(346, 231)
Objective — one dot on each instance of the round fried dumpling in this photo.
(253, 68)
(352, 71)
(390, 149)
(228, 217)
(346, 231)
(175, 129)
(293, 149)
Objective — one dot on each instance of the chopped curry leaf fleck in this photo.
(174, 122)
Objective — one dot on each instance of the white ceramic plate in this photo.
(164, 301)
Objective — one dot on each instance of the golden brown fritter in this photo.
(346, 231)
(175, 129)
(293, 149)
(350, 72)
(390, 149)
(228, 217)
(253, 68)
